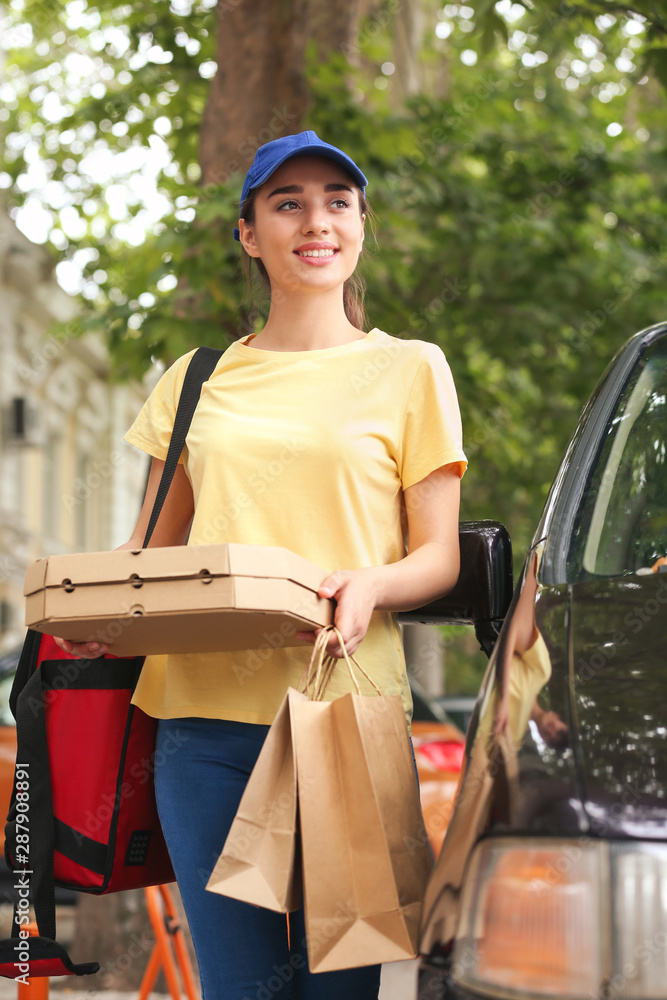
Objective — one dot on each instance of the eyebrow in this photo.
(297, 189)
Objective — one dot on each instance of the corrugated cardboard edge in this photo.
(251, 560)
(35, 577)
(118, 566)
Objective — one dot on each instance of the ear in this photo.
(247, 238)
(363, 227)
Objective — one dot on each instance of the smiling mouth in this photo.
(315, 253)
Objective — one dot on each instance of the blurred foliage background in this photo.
(517, 163)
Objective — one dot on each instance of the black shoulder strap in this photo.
(202, 364)
(27, 695)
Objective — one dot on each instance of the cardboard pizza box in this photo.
(178, 599)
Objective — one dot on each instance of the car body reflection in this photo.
(553, 873)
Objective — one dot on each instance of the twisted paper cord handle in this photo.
(318, 673)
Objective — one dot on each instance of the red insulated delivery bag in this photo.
(83, 813)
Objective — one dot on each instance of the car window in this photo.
(622, 524)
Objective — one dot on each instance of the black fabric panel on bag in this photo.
(42, 949)
(26, 666)
(201, 366)
(24, 670)
(32, 750)
(91, 674)
(91, 854)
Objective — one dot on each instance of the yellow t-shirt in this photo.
(309, 450)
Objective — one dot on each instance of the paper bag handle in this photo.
(318, 673)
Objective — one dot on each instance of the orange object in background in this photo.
(438, 745)
(37, 988)
(169, 951)
(438, 750)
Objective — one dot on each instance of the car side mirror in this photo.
(484, 589)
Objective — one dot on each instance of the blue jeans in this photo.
(202, 766)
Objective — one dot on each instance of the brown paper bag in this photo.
(491, 778)
(259, 862)
(365, 853)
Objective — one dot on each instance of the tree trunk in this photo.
(259, 91)
(408, 36)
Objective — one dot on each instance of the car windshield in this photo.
(622, 525)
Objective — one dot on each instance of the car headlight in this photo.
(552, 918)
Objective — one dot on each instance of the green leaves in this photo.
(490, 27)
(520, 199)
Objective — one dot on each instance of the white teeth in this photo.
(316, 253)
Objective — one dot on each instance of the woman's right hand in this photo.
(86, 650)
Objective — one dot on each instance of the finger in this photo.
(90, 650)
(335, 648)
(329, 585)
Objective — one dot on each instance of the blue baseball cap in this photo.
(272, 154)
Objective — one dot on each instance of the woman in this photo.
(332, 442)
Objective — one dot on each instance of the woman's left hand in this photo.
(355, 593)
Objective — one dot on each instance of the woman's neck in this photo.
(306, 323)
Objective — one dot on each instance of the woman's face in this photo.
(308, 229)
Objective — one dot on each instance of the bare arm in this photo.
(432, 565)
(172, 528)
(429, 570)
(173, 525)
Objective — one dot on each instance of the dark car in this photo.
(552, 881)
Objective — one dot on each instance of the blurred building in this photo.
(68, 481)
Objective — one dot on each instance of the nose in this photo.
(314, 220)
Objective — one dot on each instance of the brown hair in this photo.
(353, 289)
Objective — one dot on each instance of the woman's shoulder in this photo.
(168, 384)
(174, 369)
(183, 361)
(410, 348)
